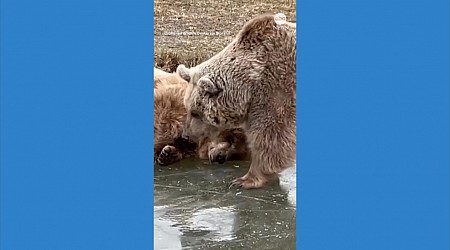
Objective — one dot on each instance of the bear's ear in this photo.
(184, 72)
(206, 85)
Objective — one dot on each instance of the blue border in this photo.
(76, 124)
(373, 125)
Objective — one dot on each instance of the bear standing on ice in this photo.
(251, 85)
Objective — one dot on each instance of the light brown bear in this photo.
(169, 117)
(250, 84)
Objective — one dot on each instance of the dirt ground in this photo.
(190, 31)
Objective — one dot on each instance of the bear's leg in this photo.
(272, 150)
(169, 155)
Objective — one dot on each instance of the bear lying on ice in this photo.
(169, 117)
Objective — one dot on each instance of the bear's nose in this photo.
(220, 159)
(184, 136)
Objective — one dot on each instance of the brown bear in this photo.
(169, 117)
(229, 145)
(251, 84)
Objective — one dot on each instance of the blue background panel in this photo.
(373, 125)
(76, 124)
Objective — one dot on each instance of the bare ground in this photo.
(189, 31)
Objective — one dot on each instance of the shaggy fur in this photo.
(169, 118)
(250, 84)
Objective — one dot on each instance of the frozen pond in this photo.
(195, 209)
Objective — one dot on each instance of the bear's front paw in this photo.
(248, 182)
(169, 154)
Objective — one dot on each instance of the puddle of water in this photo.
(195, 209)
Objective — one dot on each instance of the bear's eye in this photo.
(230, 139)
(195, 114)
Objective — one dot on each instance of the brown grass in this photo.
(190, 31)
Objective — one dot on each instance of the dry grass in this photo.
(191, 31)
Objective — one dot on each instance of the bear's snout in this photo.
(185, 135)
(219, 158)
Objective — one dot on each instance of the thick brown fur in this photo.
(229, 145)
(169, 118)
(251, 85)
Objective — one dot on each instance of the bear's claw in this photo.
(237, 182)
(247, 183)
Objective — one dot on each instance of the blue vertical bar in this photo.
(76, 124)
(373, 125)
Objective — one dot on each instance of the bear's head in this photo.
(215, 99)
(201, 116)
(228, 145)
